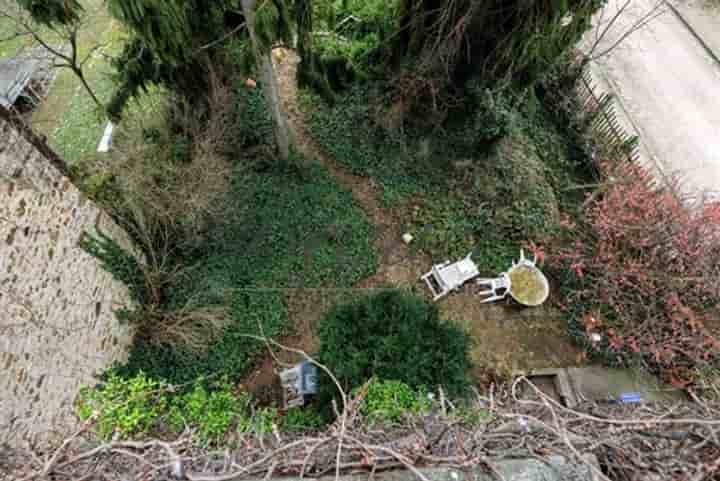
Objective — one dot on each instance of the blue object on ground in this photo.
(630, 398)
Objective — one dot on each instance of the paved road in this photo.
(669, 87)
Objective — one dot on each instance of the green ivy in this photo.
(121, 264)
(347, 131)
(491, 179)
(285, 230)
(139, 406)
(212, 412)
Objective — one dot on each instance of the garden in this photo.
(303, 249)
(465, 130)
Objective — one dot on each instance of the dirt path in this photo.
(507, 339)
(398, 265)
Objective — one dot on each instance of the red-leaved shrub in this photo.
(642, 268)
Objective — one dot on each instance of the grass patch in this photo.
(286, 228)
(68, 116)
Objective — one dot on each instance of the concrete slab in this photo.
(703, 16)
(554, 468)
(667, 84)
(563, 388)
(599, 383)
(573, 385)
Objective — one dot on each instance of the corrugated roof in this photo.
(15, 74)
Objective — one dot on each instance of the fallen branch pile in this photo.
(642, 442)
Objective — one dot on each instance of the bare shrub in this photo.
(169, 177)
(193, 326)
(181, 176)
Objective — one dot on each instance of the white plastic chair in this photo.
(497, 288)
(447, 277)
(500, 287)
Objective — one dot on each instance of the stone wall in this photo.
(57, 326)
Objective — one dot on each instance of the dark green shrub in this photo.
(355, 40)
(118, 262)
(393, 335)
(256, 127)
(494, 115)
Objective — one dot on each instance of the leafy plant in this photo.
(256, 127)
(262, 421)
(128, 407)
(138, 406)
(391, 401)
(471, 415)
(211, 412)
(494, 114)
(356, 38)
(393, 335)
(300, 420)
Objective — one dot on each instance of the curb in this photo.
(694, 33)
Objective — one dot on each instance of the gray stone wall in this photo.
(57, 326)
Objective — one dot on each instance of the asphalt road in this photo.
(668, 86)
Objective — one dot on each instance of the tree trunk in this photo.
(78, 71)
(269, 81)
(304, 20)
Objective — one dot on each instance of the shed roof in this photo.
(15, 74)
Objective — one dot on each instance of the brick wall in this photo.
(57, 327)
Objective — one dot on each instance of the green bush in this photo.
(393, 335)
(494, 115)
(256, 127)
(356, 39)
(128, 407)
(139, 406)
(300, 420)
(211, 412)
(390, 401)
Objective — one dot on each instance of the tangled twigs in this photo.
(52, 462)
(667, 442)
(679, 442)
